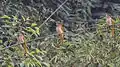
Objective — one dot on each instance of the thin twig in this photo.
(53, 13)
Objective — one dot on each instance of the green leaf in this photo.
(23, 18)
(7, 22)
(39, 57)
(37, 50)
(33, 24)
(37, 30)
(40, 51)
(33, 52)
(117, 20)
(27, 18)
(1, 41)
(46, 64)
(31, 30)
(5, 17)
(37, 62)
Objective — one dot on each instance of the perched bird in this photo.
(60, 32)
(21, 39)
(110, 23)
(108, 20)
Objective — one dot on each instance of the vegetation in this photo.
(86, 43)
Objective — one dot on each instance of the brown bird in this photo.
(21, 39)
(110, 23)
(108, 20)
(60, 32)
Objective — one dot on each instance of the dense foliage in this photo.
(87, 43)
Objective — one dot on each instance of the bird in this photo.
(21, 39)
(110, 22)
(60, 32)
